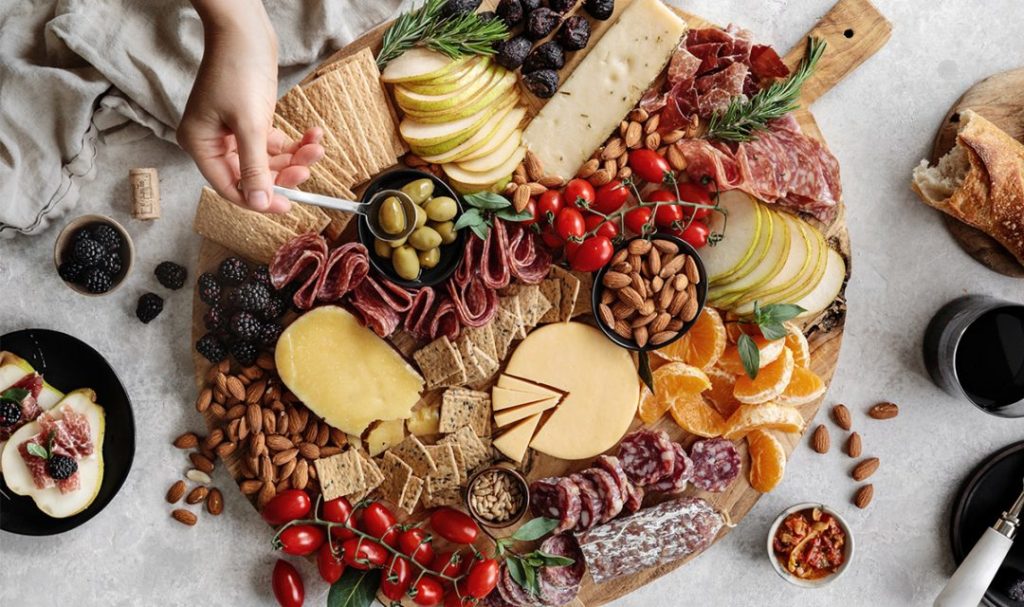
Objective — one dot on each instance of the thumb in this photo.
(254, 167)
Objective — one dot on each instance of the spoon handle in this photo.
(319, 200)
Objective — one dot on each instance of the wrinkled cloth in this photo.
(77, 73)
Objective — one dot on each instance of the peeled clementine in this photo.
(767, 460)
(796, 342)
(706, 340)
(651, 408)
(770, 350)
(720, 394)
(769, 416)
(675, 379)
(770, 382)
(696, 416)
(804, 387)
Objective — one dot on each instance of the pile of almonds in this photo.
(821, 442)
(649, 292)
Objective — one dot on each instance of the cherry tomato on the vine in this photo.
(636, 219)
(548, 206)
(667, 214)
(578, 190)
(610, 197)
(286, 506)
(696, 234)
(454, 525)
(363, 554)
(603, 227)
(648, 165)
(454, 600)
(569, 223)
(416, 543)
(339, 510)
(379, 522)
(550, 238)
(428, 592)
(531, 209)
(481, 579)
(301, 540)
(448, 563)
(570, 250)
(287, 585)
(694, 192)
(330, 565)
(395, 578)
(593, 254)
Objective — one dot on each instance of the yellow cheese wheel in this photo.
(600, 380)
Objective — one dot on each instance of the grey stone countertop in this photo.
(879, 122)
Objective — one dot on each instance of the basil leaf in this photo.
(487, 200)
(531, 581)
(758, 317)
(554, 560)
(749, 355)
(535, 529)
(355, 589)
(773, 330)
(533, 560)
(469, 218)
(645, 371)
(515, 569)
(38, 451)
(14, 394)
(481, 230)
(511, 215)
(781, 312)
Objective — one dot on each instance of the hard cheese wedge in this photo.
(604, 86)
(508, 416)
(503, 398)
(599, 377)
(514, 383)
(515, 442)
(343, 372)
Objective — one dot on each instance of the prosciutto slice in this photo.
(69, 435)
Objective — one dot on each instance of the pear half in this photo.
(419, 64)
(13, 369)
(453, 80)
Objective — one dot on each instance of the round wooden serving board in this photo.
(854, 30)
(998, 99)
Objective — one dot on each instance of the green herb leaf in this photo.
(487, 200)
(553, 560)
(516, 570)
(781, 312)
(511, 215)
(38, 451)
(481, 230)
(535, 529)
(645, 370)
(468, 219)
(531, 580)
(749, 355)
(14, 394)
(355, 589)
(457, 36)
(773, 330)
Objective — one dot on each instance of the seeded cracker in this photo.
(413, 452)
(504, 329)
(474, 451)
(570, 291)
(460, 463)
(295, 108)
(551, 290)
(533, 304)
(511, 305)
(483, 339)
(396, 475)
(378, 99)
(441, 497)
(439, 361)
(461, 407)
(488, 367)
(340, 474)
(372, 476)
(411, 494)
(586, 286)
(447, 475)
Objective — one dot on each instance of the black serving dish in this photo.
(702, 294)
(67, 364)
(451, 254)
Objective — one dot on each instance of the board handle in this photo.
(854, 31)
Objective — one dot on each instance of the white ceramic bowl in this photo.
(847, 548)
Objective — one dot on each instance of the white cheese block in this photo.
(514, 443)
(604, 86)
(503, 398)
(508, 416)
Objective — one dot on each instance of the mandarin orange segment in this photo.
(696, 416)
(770, 351)
(796, 342)
(767, 460)
(770, 382)
(675, 379)
(769, 416)
(706, 340)
(734, 328)
(651, 408)
(675, 351)
(804, 387)
(720, 394)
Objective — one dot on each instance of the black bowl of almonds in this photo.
(650, 293)
(497, 496)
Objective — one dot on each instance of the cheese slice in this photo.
(513, 444)
(503, 398)
(384, 436)
(506, 417)
(605, 85)
(343, 372)
(514, 383)
(601, 382)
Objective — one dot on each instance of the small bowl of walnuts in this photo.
(650, 293)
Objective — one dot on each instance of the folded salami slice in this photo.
(345, 269)
(528, 261)
(376, 307)
(647, 456)
(301, 259)
(560, 585)
(591, 503)
(608, 487)
(716, 464)
(446, 319)
(557, 498)
(494, 266)
(418, 318)
(475, 303)
(676, 483)
(469, 264)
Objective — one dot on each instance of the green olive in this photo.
(429, 258)
(382, 248)
(391, 215)
(447, 231)
(424, 239)
(441, 208)
(421, 217)
(419, 190)
(397, 243)
(406, 262)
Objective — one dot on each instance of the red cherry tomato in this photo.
(531, 208)
(395, 578)
(448, 563)
(416, 543)
(548, 206)
(610, 197)
(286, 506)
(694, 192)
(648, 165)
(636, 219)
(287, 585)
(339, 510)
(481, 579)
(300, 540)
(696, 234)
(667, 216)
(551, 240)
(363, 554)
(570, 250)
(577, 191)
(569, 223)
(379, 522)
(330, 565)
(609, 228)
(593, 254)
(454, 525)
(454, 600)
(427, 592)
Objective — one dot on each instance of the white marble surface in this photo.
(879, 122)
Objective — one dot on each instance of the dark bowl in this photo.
(62, 246)
(702, 294)
(67, 364)
(517, 478)
(451, 254)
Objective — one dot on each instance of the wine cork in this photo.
(145, 184)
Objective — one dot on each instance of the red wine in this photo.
(990, 358)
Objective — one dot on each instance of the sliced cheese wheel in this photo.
(503, 398)
(506, 417)
(600, 380)
(515, 383)
(513, 444)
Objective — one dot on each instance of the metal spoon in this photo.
(369, 209)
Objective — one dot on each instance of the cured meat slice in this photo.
(300, 260)
(766, 63)
(375, 309)
(634, 498)
(608, 487)
(591, 503)
(654, 536)
(680, 476)
(560, 585)
(613, 466)
(647, 456)
(345, 270)
(716, 464)
(557, 498)
(494, 266)
(468, 266)
(29, 406)
(418, 318)
(445, 321)
(515, 594)
(475, 304)
(528, 261)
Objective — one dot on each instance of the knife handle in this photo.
(970, 581)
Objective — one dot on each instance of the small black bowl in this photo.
(67, 364)
(702, 294)
(451, 254)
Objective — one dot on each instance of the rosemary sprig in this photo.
(742, 119)
(456, 36)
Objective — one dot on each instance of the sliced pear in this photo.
(464, 188)
(457, 173)
(501, 126)
(413, 103)
(770, 266)
(798, 263)
(503, 81)
(827, 288)
(741, 235)
(454, 79)
(764, 241)
(495, 158)
(432, 139)
(90, 469)
(13, 369)
(421, 64)
(806, 282)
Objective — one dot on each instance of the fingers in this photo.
(292, 176)
(308, 154)
(209, 157)
(254, 165)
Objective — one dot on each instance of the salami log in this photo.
(676, 483)
(557, 498)
(716, 464)
(647, 456)
(656, 536)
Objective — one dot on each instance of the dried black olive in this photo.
(561, 6)
(548, 56)
(530, 5)
(459, 7)
(487, 16)
(541, 22)
(512, 52)
(600, 9)
(510, 11)
(542, 83)
(575, 33)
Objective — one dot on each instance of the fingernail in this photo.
(257, 200)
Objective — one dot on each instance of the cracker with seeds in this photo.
(411, 493)
(504, 329)
(443, 497)
(447, 475)
(340, 474)
(439, 361)
(551, 290)
(510, 305)
(396, 475)
(483, 339)
(461, 407)
(586, 286)
(474, 450)
(248, 233)
(414, 453)
(372, 475)
(460, 463)
(570, 291)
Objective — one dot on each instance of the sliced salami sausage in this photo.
(418, 318)
(446, 320)
(608, 487)
(613, 466)
(345, 269)
(375, 307)
(560, 585)
(680, 475)
(301, 260)
(494, 266)
(647, 456)
(557, 498)
(716, 464)
(528, 262)
(514, 593)
(634, 499)
(475, 303)
(591, 503)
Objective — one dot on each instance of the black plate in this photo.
(987, 493)
(67, 364)
(451, 254)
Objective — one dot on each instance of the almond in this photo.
(198, 476)
(689, 310)
(630, 296)
(820, 441)
(634, 131)
(266, 493)
(624, 173)
(215, 502)
(884, 410)
(853, 445)
(640, 336)
(254, 415)
(672, 136)
(613, 149)
(184, 517)
(225, 449)
(250, 487)
(675, 158)
(551, 181)
(643, 321)
(673, 266)
(534, 167)
(659, 338)
(310, 451)
(535, 188)
(519, 175)
(283, 457)
(615, 280)
(254, 393)
(865, 468)
(691, 271)
(215, 438)
(678, 301)
(623, 329)
(606, 315)
(862, 498)
(197, 495)
(322, 435)
(510, 189)
(221, 381)
(652, 141)
(600, 178)
(235, 412)
(589, 168)
(235, 388)
(176, 491)
(204, 400)
(300, 477)
(660, 322)
(201, 462)
(841, 415)
(611, 166)
(188, 440)
(325, 452)
(638, 115)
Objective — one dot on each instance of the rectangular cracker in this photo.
(586, 286)
(396, 475)
(441, 497)
(317, 217)
(439, 361)
(447, 474)
(505, 329)
(340, 474)
(483, 339)
(415, 454)
(475, 451)
(460, 462)
(325, 176)
(300, 111)
(551, 289)
(252, 235)
(347, 120)
(411, 494)
(532, 305)
(511, 305)
(570, 291)
(461, 407)
(379, 102)
(377, 143)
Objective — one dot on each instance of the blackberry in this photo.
(269, 333)
(233, 271)
(60, 467)
(108, 236)
(170, 274)
(149, 307)
(512, 52)
(111, 263)
(276, 307)
(574, 33)
(459, 7)
(97, 281)
(510, 11)
(245, 326)
(209, 289)
(561, 6)
(540, 23)
(542, 83)
(530, 5)
(244, 352)
(251, 297)
(487, 16)
(214, 318)
(548, 56)
(211, 348)
(71, 271)
(261, 275)
(10, 413)
(87, 251)
(599, 9)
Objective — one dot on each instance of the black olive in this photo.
(575, 33)
(600, 9)
(510, 11)
(459, 7)
(530, 5)
(548, 56)
(540, 23)
(542, 83)
(512, 52)
(561, 6)
(487, 16)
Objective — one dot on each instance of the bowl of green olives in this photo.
(430, 254)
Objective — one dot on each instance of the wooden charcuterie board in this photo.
(854, 31)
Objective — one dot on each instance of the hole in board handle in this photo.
(848, 33)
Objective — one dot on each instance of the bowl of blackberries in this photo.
(93, 254)
(243, 314)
